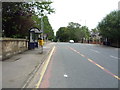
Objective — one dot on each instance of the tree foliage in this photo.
(48, 31)
(62, 34)
(19, 17)
(109, 27)
(73, 31)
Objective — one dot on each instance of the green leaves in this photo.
(109, 27)
(19, 17)
(43, 8)
(48, 31)
(73, 31)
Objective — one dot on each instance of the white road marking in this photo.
(94, 50)
(114, 57)
(65, 75)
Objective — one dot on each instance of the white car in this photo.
(71, 41)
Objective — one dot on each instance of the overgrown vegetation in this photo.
(109, 27)
(19, 17)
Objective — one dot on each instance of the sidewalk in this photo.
(18, 69)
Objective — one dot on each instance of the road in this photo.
(76, 65)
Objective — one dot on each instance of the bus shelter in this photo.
(34, 34)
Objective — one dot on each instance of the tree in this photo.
(62, 34)
(48, 28)
(73, 31)
(109, 27)
(19, 17)
(12, 15)
(72, 28)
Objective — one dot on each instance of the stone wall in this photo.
(10, 47)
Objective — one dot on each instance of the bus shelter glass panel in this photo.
(31, 40)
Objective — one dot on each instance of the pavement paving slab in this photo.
(18, 69)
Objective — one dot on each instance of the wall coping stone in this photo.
(19, 39)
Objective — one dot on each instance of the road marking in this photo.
(45, 67)
(116, 77)
(101, 67)
(94, 50)
(82, 55)
(65, 75)
(114, 57)
(90, 60)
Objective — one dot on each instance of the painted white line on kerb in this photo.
(94, 50)
(114, 57)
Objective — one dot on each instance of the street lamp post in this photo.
(42, 27)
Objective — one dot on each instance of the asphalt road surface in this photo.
(75, 65)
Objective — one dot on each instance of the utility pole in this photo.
(42, 27)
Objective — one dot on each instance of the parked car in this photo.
(71, 41)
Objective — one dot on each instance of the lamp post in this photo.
(42, 27)
(42, 24)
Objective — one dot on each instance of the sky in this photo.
(84, 12)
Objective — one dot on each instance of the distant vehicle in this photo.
(71, 41)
